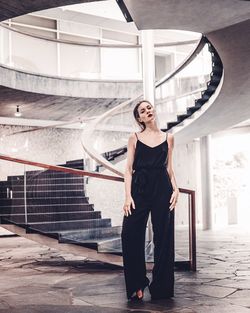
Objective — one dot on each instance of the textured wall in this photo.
(52, 146)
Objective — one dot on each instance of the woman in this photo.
(149, 186)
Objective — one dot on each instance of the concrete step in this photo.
(47, 208)
(89, 234)
(44, 194)
(19, 181)
(104, 244)
(50, 217)
(48, 174)
(69, 225)
(47, 187)
(54, 200)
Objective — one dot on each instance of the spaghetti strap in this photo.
(136, 136)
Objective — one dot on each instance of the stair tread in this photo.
(42, 205)
(85, 230)
(95, 240)
(71, 221)
(55, 184)
(49, 213)
(50, 197)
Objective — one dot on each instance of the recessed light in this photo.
(18, 113)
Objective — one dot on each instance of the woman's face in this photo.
(146, 112)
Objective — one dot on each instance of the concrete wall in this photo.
(52, 146)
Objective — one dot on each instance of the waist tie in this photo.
(141, 177)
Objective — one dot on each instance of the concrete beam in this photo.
(53, 85)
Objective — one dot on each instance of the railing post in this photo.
(25, 198)
(192, 231)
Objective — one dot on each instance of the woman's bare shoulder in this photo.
(170, 139)
(132, 138)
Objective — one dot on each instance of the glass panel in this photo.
(79, 61)
(68, 60)
(12, 193)
(32, 54)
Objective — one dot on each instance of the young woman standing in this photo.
(150, 185)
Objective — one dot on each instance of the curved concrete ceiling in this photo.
(192, 15)
(53, 98)
(47, 107)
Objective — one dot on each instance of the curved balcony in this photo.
(94, 70)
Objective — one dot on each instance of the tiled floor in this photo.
(37, 279)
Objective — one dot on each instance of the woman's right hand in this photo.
(127, 205)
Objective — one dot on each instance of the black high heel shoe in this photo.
(136, 297)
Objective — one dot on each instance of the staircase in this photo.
(113, 156)
(57, 207)
(212, 84)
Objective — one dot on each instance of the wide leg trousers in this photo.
(133, 243)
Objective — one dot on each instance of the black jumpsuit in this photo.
(151, 190)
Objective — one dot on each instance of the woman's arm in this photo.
(128, 174)
(170, 170)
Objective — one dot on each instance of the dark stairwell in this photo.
(57, 206)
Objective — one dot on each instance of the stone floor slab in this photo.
(39, 279)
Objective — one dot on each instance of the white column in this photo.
(148, 65)
(10, 63)
(207, 183)
(58, 48)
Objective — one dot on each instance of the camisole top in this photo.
(147, 157)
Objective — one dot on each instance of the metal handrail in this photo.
(60, 168)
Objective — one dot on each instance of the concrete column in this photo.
(206, 183)
(58, 48)
(148, 65)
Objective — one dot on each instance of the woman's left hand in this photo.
(174, 199)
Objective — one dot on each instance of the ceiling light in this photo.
(18, 113)
(82, 124)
